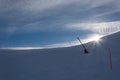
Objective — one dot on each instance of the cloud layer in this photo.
(102, 28)
(18, 17)
(25, 15)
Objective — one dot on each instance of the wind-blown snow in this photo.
(63, 63)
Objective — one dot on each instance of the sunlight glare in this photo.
(95, 38)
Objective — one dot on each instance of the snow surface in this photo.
(63, 63)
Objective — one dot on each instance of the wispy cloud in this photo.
(100, 28)
(32, 6)
(21, 48)
(37, 15)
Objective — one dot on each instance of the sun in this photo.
(95, 38)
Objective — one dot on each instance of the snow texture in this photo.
(63, 63)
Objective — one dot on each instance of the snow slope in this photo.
(63, 63)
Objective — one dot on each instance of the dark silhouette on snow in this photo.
(85, 49)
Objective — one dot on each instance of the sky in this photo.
(56, 23)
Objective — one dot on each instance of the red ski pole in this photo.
(110, 56)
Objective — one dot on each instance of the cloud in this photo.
(37, 15)
(103, 28)
(21, 48)
(31, 5)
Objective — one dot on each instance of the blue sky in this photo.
(55, 23)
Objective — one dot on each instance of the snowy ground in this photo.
(63, 63)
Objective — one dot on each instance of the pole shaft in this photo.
(81, 42)
(110, 56)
